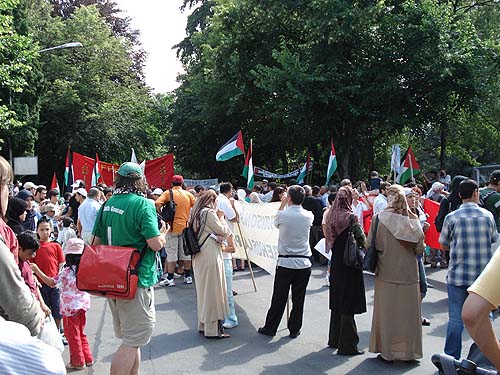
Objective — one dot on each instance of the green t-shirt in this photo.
(492, 204)
(129, 220)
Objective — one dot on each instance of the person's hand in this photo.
(220, 238)
(426, 227)
(284, 197)
(46, 310)
(34, 267)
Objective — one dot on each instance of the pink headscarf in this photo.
(339, 215)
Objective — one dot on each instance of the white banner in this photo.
(260, 236)
(205, 183)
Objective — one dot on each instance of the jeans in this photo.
(422, 276)
(231, 318)
(456, 299)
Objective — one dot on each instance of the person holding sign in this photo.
(294, 263)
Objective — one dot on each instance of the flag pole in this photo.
(411, 167)
(248, 259)
(64, 179)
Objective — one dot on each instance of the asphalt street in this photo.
(178, 348)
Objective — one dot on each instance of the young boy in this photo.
(49, 258)
(67, 232)
(28, 246)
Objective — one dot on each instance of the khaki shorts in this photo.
(134, 320)
(175, 248)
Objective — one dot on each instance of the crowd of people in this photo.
(43, 236)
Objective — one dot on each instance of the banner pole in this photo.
(248, 258)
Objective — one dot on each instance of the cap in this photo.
(82, 191)
(48, 207)
(178, 179)
(130, 170)
(74, 246)
(437, 186)
(265, 181)
(78, 184)
(409, 191)
(157, 191)
(495, 176)
(29, 185)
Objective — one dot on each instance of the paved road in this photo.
(177, 348)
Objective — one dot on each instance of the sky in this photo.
(162, 25)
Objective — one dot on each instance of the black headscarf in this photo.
(454, 198)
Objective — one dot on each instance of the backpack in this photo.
(191, 244)
(482, 200)
(168, 210)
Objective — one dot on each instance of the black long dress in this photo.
(347, 296)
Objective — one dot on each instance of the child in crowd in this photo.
(28, 246)
(74, 305)
(49, 258)
(67, 231)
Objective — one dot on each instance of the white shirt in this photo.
(379, 204)
(266, 198)
(87, 214)
(358, 211)
(224, 204)
(294, 224)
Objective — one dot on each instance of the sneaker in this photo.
(229, 325)
(63, 338)
(164, 276)
(188, 280)
(177, 276)
(167, 282)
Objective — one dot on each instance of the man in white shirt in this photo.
(266, 198)
(87, 214)
(225, 202)
(294, 263)
(380, 202)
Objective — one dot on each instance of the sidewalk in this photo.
(178, 348)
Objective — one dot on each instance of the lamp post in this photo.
(62, 46)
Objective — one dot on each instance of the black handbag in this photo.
(353, 254)
(371, 258)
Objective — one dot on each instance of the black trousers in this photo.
(283, 280)
(343, 332)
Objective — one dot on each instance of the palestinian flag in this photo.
(68, 171)
(248, 169)
(96, 175)
(305, 169)
(55, 184)
(232, 148)
(409, 168)
(332, 165)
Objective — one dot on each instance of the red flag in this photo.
(54, 184)
(431, 208)
(107, 171)
(159, 172)
(83, 168)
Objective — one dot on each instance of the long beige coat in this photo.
(397, 320)
(208, 266)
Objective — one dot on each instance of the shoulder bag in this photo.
(371, 258)
(353, 254)
(109, 271)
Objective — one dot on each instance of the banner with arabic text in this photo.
(259, 172)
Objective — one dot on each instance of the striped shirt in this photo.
(468, 232)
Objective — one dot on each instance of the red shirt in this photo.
(27, 275)
(48, 257)
(10, 239)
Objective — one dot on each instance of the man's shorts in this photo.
(134, 320)
(52, 297)
(175, 248)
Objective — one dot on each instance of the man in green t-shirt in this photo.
(129, 219)
(490, 197)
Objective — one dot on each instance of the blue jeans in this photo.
(422, 276)
(456, 299)
(231, 318)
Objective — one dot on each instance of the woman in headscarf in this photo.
(347, 288)
(16, 214)
(208, 265)
(396, 325)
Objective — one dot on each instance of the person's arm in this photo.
(359, 235)
(444, 237)
(47, 280)
(79, 228)
(44, 307)
(160, 202)
(156, 243)
(475, 314)
(231, 247)
(69, 213)
(17, 304)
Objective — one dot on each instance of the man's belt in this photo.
(294, 256)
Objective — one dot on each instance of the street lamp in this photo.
(62, 46)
